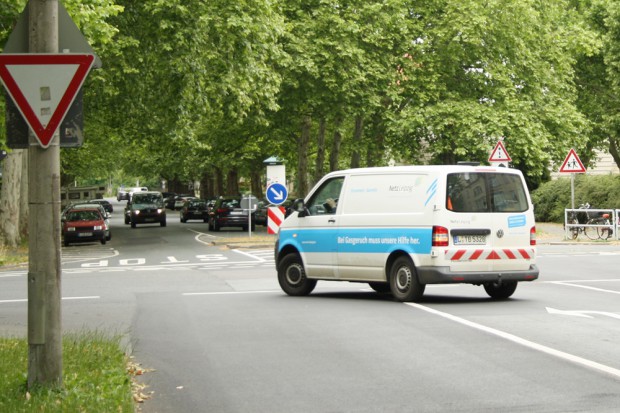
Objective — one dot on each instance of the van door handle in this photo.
(331, 220)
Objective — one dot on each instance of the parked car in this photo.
(194, 209)
(84, 225)
(180, 200)
(105, 204)
(227, 212)
(87, 205)
(145, 208)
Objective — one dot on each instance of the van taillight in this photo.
(440, 236)
(533, 236)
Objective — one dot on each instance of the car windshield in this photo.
(146, 198)
(83, 216)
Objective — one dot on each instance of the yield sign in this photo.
(572, 163)
(43, 87)
(499, 154)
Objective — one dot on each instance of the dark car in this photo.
(145, 208)
(260, 216)
(227, 212)
(105, 204)
(194, 209)
(84, 225)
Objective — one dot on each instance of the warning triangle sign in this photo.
(43, 87)
(572, 163)
(499, 154)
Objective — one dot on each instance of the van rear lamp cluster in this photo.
(440, 236)
(533, 236)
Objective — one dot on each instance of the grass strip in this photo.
(95, 377)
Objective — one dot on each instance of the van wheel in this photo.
(133, 224)
(162, 223)
(404, 282)
(292, 276)
(380, 287)
(500, 290)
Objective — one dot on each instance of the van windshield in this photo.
(485, 192)
(147, 199)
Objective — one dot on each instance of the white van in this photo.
(400, 228)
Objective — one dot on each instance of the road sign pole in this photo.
(44, 272)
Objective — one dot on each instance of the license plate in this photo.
(149, 219)
(470, 239)
(85, 234)
(236, 213)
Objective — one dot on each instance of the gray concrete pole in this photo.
(44, 272)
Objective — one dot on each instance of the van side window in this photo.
(485, 192)
(325, 199)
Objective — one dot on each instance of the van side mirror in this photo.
(300, 207)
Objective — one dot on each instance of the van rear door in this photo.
(491, 218)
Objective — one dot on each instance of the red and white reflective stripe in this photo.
(275, 216)
(484, 254)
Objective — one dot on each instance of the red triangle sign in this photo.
(572, 163)
(43, 87)
(499, 154)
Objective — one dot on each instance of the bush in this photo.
(551, 198)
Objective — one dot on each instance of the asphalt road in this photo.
(222, 337)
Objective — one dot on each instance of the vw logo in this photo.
(500, 233)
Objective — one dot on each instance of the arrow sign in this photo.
(276, 193)
(572, 163)
(499, 154)
(43, 86)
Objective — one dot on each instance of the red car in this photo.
(83, 225)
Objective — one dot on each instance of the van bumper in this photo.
(443, 275)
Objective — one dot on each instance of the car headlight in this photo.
(98, 227)
(137, 212)
(71, 229)
(159, 210)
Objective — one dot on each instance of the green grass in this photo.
(96, 377)
(13, 256)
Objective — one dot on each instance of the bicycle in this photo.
(575, 218)
(602, 230)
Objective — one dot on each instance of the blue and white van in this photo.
(400, 228)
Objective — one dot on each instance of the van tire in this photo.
(380, 287)
(500, 291)
(404, 282)
(292, 276)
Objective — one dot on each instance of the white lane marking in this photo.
(232, 292)
(521, 341)
(586, 287)
(260, 259)
(581, 313)
(25, 300)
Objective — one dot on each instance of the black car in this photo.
(145, 208)
(194, 209)
(227, 212)
(105, 204)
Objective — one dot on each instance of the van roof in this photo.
(425, 168)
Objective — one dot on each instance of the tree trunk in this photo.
(232, 182)
(357, 141)
(10, 231)
(219, 182)
(207, 187)
(256, 182)
(319, 169)
(614, 151)
(335, 153)
(302, 156)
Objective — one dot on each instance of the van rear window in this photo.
(485, 192)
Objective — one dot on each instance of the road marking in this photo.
(25, 300)
(521, 341)
(232, 292)
(581, 313)
(586, 287)
(260, 259)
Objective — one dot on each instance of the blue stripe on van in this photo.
(432, 189)
(358, 240)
